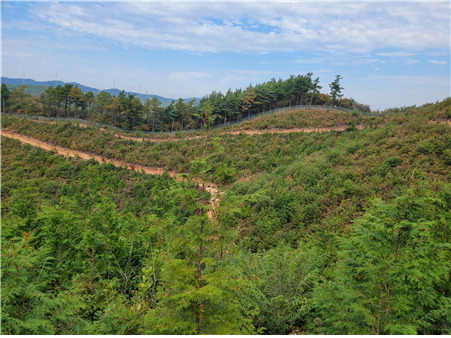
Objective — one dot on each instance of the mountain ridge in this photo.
(41, 85)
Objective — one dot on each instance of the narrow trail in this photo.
(292, 130)
(151, 139)
(207, 186)
(232, 132)
(238, 132)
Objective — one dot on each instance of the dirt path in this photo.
(237, 132)
(233, 132)
(286, 131)
(210, 187)
(150, 139)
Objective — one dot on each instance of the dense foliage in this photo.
(128, 112)
(338, 233)
(89, 249)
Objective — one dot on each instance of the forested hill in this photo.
(129, 112)
(340, 230)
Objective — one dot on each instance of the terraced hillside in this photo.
(339, 229)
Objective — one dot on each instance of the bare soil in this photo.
(207, 186)
(233, 132)
(237, 132)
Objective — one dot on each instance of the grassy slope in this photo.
(335, 118)
(301, 190)
(294, 182)
(305, 119)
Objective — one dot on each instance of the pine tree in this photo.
(335, 89)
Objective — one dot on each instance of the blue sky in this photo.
(389, 53)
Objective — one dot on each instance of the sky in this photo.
(390, 54)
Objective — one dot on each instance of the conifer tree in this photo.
(197, 295)
(335, 89)
(392, 273)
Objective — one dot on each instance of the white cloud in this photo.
(398, 54)
(310, 60)
(410, 62)
(258, 27)
(438, 62)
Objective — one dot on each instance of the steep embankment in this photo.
(315, 118)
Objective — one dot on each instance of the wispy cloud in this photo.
(398, 54)
(240, 75)
(438, 62)
(410, 62)
(341, 59)
(257, 27)
(183, 48)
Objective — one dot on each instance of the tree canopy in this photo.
(130, 113)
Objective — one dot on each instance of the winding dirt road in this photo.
(210, 187)
(237, 132)
(232, 132)
(207, 186)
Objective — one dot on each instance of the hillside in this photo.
(259, 227)
(324, 117)
(132, 113)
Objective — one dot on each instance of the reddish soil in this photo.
(210, 187)
(233, 132)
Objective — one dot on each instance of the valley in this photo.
(274, 220)
(214, 168)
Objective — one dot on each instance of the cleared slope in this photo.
(323, 118)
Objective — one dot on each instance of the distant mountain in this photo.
(142, 97)
(54, 83)
(37, 87)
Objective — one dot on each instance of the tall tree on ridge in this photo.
(248, 100)
(335, 89)
(77, 98)
(65, 92)
(155, 109)
(315, 89)
(115, 108)
(89, 100)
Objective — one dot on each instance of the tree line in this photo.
(128, 112)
